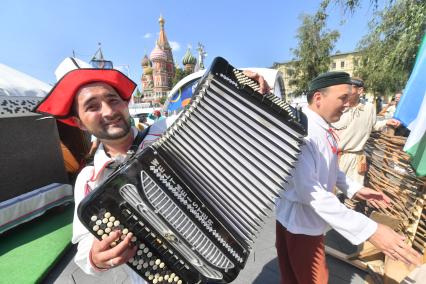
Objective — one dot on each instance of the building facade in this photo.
(346, 62)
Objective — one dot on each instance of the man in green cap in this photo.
(308, 207)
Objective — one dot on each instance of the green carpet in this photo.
(30, 250)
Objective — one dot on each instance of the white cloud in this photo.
(147, 35)
(174, 45)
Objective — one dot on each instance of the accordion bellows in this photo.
(196, 199)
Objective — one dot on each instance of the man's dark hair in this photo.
(310, 94)
(73, 109)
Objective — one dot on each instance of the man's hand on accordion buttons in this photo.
(103, 256)
(263, 85)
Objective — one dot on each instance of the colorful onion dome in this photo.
(145, 61)
(158, 54)
(188, 58)
(147, 70)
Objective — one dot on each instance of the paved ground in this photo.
(261, 268)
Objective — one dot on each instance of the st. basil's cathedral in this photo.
(159, 69)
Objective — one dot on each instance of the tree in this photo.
(163, 100)
(315, 43)
(352, 5)
(138, 93)
(179, 75)
(389, 49)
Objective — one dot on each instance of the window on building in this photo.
(342, 64)
(333, 65)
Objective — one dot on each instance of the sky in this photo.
(35, 36)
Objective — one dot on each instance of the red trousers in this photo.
(301, 258)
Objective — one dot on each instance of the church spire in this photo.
(162, 42)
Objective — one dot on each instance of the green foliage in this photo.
(138, 93)
(179, 75)
(163, 100)
(389, 50)
(315, 43)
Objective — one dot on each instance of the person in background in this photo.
(353, 130)
(308, 207)
(142, 123)
(389, 110)
(379, 104)
(155, 115)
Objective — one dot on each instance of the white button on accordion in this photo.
(196, 199)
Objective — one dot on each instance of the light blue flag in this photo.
(409, 105)
(411, 111)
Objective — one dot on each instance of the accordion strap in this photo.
(138, 140)
(132, 150)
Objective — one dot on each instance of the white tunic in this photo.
(92, 176)
(354, 129)
(308, 206)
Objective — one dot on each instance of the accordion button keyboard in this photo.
(162, 249)
(126, 213)
(138, 227)
(148, 263)
(132, 221)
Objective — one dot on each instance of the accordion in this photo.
(196, 199)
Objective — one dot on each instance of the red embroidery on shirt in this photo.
(331, 135)
(86, 188)
(93, 178)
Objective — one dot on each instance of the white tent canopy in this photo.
(17, 84)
